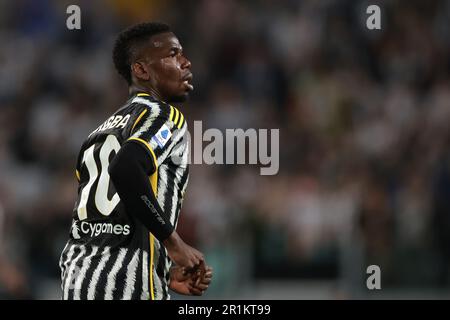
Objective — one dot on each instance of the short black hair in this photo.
(128, 39)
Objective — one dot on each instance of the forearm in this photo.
(129, 172)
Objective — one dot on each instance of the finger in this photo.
(200, 257)
(201, 261)
(205, 269)
(206, 276)
(195, 291)
(192, 269)
(195, 265)
(202, 274)
(205, 281)
(202, 287)
(197, 282)
(189, 266)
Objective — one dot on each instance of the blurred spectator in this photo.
(364, 165)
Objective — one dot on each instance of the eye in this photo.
(173, 53)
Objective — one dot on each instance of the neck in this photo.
(136, 88)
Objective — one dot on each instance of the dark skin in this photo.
(190, 283)
(160, 69)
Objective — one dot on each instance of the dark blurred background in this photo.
(364, 140)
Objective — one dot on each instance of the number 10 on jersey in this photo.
(103, 204)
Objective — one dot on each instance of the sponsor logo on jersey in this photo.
(75, 231)
(162, 136)
(96, 229)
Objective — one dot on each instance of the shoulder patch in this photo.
(162, 136)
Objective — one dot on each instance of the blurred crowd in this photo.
(364, 137)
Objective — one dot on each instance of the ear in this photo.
(140, 71)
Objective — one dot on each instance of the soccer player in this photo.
(133, 172)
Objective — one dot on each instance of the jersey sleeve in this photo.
(155, 128)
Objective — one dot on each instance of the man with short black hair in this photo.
(123, 240)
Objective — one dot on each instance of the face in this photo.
(167, 70)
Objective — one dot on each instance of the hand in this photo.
(182, 254)
(194, 282)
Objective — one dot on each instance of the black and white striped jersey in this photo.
(110, 254)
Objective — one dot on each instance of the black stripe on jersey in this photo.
(95, 261)
(119, 286)
(76, 274)
(168, 193)
(176, 116)
(103, 279)
(182, 121)
(71, 272)
(183, 182)
(156, 262)
(160, 269)
(137, 290)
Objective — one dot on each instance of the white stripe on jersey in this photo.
(71, 272)
(145, 101)
(145, 292)
(85, 267)
(178, 175)
(157, 285)
(155, 111)
(63, 262)
(96, 276)
(131, 276)
(174, 205)
(111, 283)
(167, 266)
(183, 191)
(162, 185)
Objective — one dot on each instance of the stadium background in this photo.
(364, 140)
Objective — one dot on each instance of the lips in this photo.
(186, 81)
(187, 77)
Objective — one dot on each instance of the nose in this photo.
(185, 64)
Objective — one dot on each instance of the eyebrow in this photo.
(176, 49)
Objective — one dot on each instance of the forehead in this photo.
(164, 40)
